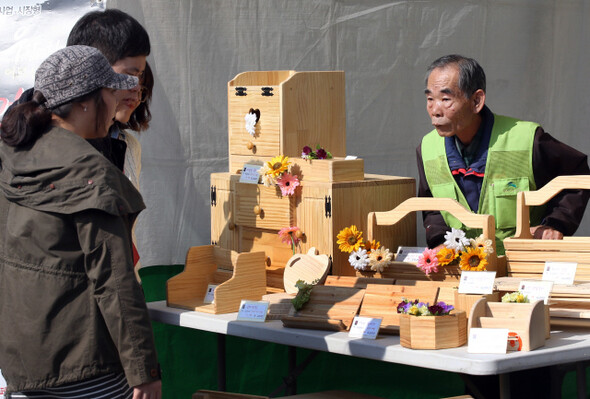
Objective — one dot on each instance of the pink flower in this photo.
(288, 183)
(290, 235)
(428, 262)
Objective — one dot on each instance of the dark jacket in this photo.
(70, 306)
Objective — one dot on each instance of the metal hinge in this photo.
(241, 91)
(328, 206)
(213, 242)
(267, 91)
(213, 196)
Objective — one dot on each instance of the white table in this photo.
(565, 347)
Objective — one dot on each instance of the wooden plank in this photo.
(329, 306)
(328, 170)
(548, 256)
(357, 282)
(581, 244)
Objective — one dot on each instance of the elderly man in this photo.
(482, 159)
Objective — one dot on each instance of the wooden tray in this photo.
(329, 308)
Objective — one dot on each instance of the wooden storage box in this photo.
(296, 109)
(237, 276)
(319, 209)
(526, 256)
(433, 332)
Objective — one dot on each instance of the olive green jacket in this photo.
(70, 306)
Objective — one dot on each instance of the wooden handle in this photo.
(299, 234)
(250, 145)
(257, 210)
(268, 261)
(231, 226)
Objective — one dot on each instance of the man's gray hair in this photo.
(471, 74)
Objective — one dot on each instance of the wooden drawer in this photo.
(275, 213)
(266, 140)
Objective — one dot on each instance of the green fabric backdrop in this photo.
(189, 362)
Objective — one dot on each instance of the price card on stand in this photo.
(210, 294)
(253, 310)
(536, 290)
(250, 174)
(487, 340)
(476, 282)
(409, 254)
(364, 327)
(560, 272)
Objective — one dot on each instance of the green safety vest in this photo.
(509, 169)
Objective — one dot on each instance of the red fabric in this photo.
(467, 172)
(135, 255)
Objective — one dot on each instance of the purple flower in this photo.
(306, 150)
(436, 310)
(321, 153)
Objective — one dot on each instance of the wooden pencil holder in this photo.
(433, 332)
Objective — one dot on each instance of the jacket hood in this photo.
(62, 173)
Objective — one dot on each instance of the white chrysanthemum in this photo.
(250, 119)
(267, 179)
(455, 239)
(359, 259)
(379, 259)
(481, 242)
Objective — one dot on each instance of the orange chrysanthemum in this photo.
(446, 256)
(350, 239)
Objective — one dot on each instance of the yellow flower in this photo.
(350, 239)
(371, 245)
(446, 256)
(276, 166)
(473, 259)
(481, 242)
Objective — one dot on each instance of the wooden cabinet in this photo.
(295, 109)
(320, 210)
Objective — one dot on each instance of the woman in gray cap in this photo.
(74, 321)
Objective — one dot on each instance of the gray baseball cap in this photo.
(74, 71)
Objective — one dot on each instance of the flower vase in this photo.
(433, 332)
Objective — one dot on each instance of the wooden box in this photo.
(526, 256)
(247, 217)
(433, 332)
(408, 270)
(527, 322)
(237, 276)
(296, 109)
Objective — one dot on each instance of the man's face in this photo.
(450, 111)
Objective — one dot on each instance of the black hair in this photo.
(116, 34)
(141, 117)
(471, 75)
(25, 122)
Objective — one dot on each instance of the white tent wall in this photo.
(536, 54)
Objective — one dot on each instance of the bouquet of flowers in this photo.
(468, 253)
(276, 173)
(319, 153)
(291, 235)
(515, 297)
(364, 255)
(417, 308)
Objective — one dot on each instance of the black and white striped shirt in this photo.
(111, 386)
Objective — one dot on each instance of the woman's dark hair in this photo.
(141, 117)
(24, 123)
(116, 34)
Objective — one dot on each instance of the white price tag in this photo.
(364, 327)
(409, 254)
(487, 340)
(250, 174)
(536, 290)
(476, 282)
(348, 157)
(210, 294)
(560, 272)
(253, 310)
(2, 386)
